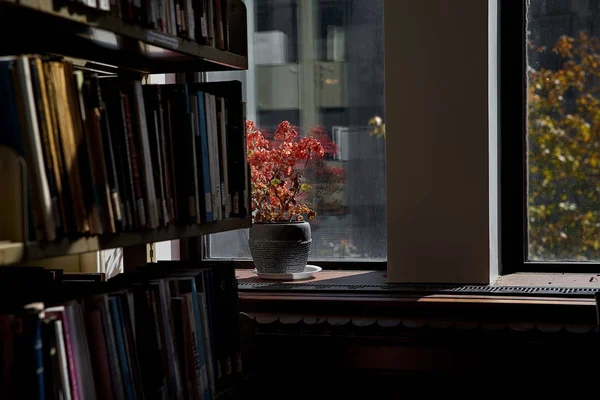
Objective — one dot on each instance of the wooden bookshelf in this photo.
(97, 36)
(13, 253)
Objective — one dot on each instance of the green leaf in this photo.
(275, 182)
(305, 186)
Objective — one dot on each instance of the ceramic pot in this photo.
(281, 247)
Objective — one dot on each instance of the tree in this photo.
(563, 155)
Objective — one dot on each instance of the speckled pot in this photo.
(280, 248)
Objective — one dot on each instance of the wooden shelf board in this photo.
(13, 253)
(97, 36)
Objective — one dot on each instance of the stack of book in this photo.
(105, 155)
(157, 333)
(202, 21)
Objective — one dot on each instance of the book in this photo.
(141, 131)
(66, 195)
(133, 161)
(47, 139)
(182, 342)
(65, 384)
(215, 180)
(114, 156)
(111, 95)
(218, 24)
(103, 215)
(119, 335)
(155, 133)
(222, 149)
(204, 152)
(177, 99)
(75, 371)
(165, 323)
(148, 344)
(69, 143)
(99, 353)
(167, 155)
(109, 155)
(45, 227)
(101, 303)
(195, 164)
(186, 288)
(149, 334)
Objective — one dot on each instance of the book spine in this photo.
(214, 157)
(205, 156)
(200, 377)
(200, 21)
(142, 135)
(95, 334)
(173, 377)
(190, 20)
(223, 168)
(131, 161)
(162, 198)
(225, 14)
(86, 153)
(45, 126)
(195, 204)
(211, 327)
(66, 195)
(99, 175)
(63, 361)
(170, 161)
(135, 165)
(111, 348)
(45, 226)
(166, 167)
(218, 24)
(210, 20)
(74, 367)
(114, 117)
(109, 159)
(120, 341)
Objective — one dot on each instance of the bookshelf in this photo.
(13, 253)
(94, 156)
(96, 36)
(103, 43)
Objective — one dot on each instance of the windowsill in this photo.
(353, 296)
(365, 277)
(549, 279)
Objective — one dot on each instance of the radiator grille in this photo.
(425, 289)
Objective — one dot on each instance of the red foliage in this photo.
(276, 172)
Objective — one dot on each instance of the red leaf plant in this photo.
(277, 171)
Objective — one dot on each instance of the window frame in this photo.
(513, 148)
(328, 263)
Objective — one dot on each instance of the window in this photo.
(551, 141)
(319, 64)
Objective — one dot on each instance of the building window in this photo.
(319, 65)
(552, 143)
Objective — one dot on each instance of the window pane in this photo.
(319, 65)
(563, 122)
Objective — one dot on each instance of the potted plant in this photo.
(280, 237)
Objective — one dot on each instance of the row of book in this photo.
(166, 331)
(106, 155)
(202, 21)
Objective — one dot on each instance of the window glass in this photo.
(563, 130)
(319, 65)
